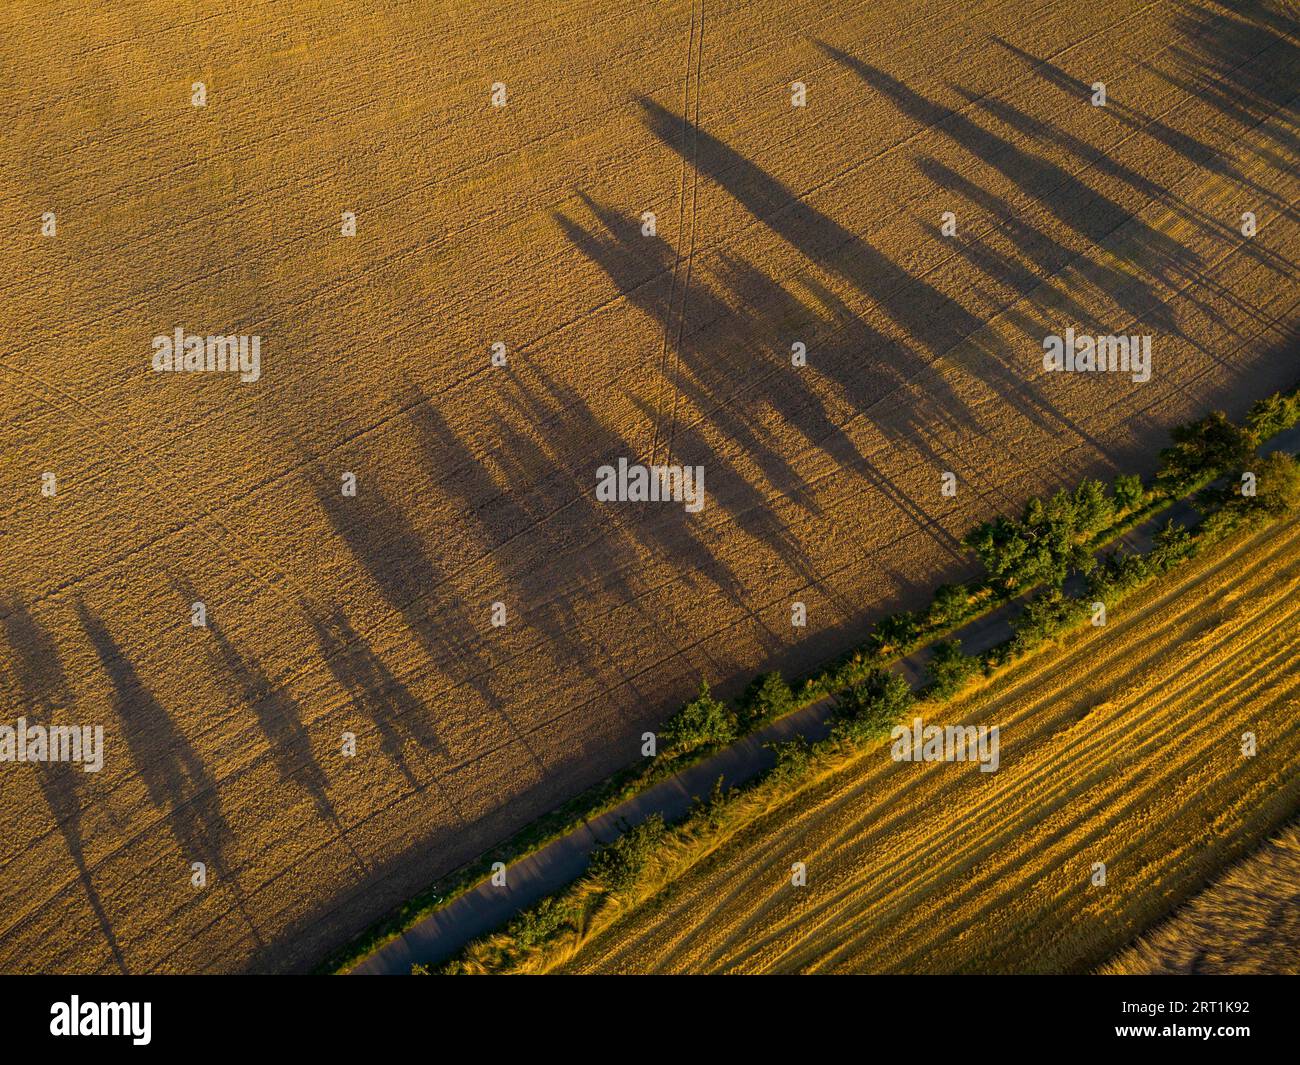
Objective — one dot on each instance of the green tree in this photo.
(704, 720)
(1208, 447)
(1277, 484)
(1094, 510)
(767, 698)
(618, 864)
(1043, 617)
(949, 669)
(896, 632)
(1129, 493)
(949, 605)
(1173, 543)
(872, 706)
(1273, 414)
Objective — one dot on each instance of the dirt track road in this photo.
(371, 614)
(490, 906)
(1123, 749)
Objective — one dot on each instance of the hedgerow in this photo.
(1053, 538)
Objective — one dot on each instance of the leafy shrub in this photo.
(1092, 510)
(872, 707)
(1277, 485)
(542, 921)
(1048, 542)
(703, 721)
(1129, 493)
(950, 606)
(1173, 544)
(618, 864)
(1219, 523)
(949, 669)
(1202, 449)
(1116, 575)
(767, 698)
(1046, 615)
(792, 757)
(896, 632)
(1272, 415)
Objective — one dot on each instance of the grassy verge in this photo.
(1052, 539)
(637, 868)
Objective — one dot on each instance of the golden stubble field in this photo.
(329, 614)
(1124, 747)
(1245, 922)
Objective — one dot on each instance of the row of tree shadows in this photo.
(730, 362)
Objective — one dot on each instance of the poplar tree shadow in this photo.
(1092, 215)
(1109, 280)
(596, 539)
(544, 495)
(174, 776)
(1194, 151)
(1280, 152)
(1014, 380)
(728, 381)
(397, 715)
(1160, 257)
(1218, 47)
(924, 314)
(721, 369)
(278, 715)
(541, 494)
(1045, 254)
(39, 677)
(392, 552)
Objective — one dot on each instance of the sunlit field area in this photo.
(344, 592)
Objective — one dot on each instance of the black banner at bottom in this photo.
(227, 1014)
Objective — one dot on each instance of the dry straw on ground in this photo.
(1122, 747)
(522, 225)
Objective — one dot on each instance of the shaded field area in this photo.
(1246, 921)
(1122, 749)
(371, 615)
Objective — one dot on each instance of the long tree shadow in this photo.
(175, 778)
(941, 325)
(1092, 215)
(545, 490)
(1201, 155)
(596, 539)
(727, 381)
(398, 717)
(392, 552)
(278, 716)
(727, 385)
(1233, 53)
(1100, 159)
(1007, 270)
(1217, 63)
(38, 675)
(1014, 382)
(925, 315)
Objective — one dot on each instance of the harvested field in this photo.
(1246, 921)
(1122, 748)
(330, 614)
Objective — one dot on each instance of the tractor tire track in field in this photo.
(685, 215)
